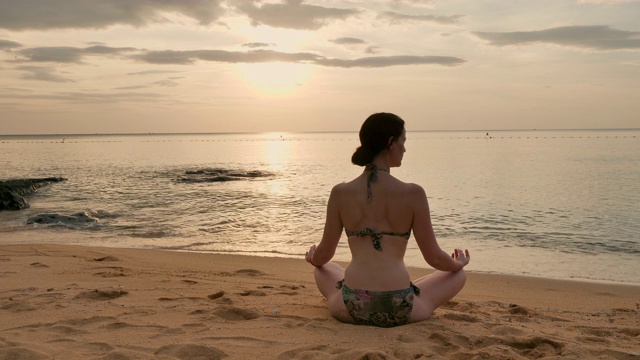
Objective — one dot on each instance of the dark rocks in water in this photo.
(12, 192)
(83, 218)
(221, 175)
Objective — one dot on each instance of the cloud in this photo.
(598, 37)
(63, 14)
(169, 82)
(166, 83)
(252, 56)
(604, 2)
(386, 61)
(261, 56)
(413, 2)
(397, 18)
(153, 72)
(76, 55)
(372, 50)
(6, 44)
(257, 44)
(293, 14)
(348, 41)
(87, 97)
(132, 87)
(42, 74)
(68, 54)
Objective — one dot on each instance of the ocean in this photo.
(558, 204)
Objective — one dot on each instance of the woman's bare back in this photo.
(387, 212)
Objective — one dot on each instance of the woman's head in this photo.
(377, 133)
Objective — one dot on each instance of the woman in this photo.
(378, 213)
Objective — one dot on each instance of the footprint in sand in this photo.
(244, 272)
(117, 355)
(217, 295)
(192, 298)
(506, 331)
(17, 306)
(408, 338)
(290, 287)
(443, 343)
(101, 294)
(106, 258)
(253, 293)
(594, 331)
(64, 330)
(461, 317)
(249, 272)
(593, 339)
(191, 351)
(21, 353)
(519, 310)
(536, 347)
(233, 313)
(461, 306)
(632, 332)
(319, 352)
(113, 271)
(87, 321)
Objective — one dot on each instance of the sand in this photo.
(71, 302)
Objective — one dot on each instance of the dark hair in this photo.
(374, 136)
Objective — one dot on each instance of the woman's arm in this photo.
(333, 226)
(426, 238)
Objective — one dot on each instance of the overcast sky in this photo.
(100, 66)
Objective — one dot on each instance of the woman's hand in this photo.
(309, 255)
(461, 257)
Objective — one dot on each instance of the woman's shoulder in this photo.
(410, 188)
(343, 187)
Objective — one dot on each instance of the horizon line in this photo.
(311, 132)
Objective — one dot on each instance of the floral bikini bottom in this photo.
(379, 308)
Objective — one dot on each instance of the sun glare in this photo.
(275, 78)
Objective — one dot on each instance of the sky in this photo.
(176, 66)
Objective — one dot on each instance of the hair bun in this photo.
(362, 156)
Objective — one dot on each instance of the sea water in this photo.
(558, 204)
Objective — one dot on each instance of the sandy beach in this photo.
(71, 302)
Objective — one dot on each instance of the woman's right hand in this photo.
(309, 255)
(462, 257)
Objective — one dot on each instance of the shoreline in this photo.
(25, 238)
(76, 302)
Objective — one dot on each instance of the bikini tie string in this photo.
(375, 237)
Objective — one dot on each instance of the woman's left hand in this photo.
(309, 255)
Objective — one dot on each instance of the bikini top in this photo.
(376, 235)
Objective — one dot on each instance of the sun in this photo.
(275, 78)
